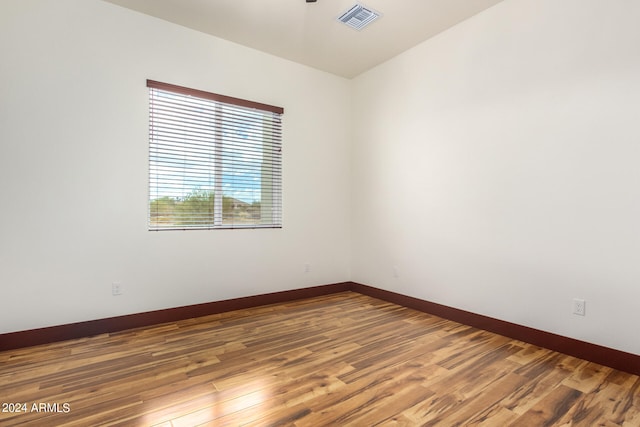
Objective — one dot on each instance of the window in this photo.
(214, 161)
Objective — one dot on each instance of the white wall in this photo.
(497, 167)
(74, 156)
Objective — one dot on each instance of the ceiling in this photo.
(309, 33)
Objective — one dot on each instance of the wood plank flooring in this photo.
(337, 360)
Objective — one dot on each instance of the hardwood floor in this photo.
(342, 359)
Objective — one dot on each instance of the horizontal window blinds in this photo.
(214, 161)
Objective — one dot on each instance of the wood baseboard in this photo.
(617, 359)
(20, 339)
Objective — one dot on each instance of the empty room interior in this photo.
(445, 230)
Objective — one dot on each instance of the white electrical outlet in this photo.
(116, 288)
(396, 274)
(579, 306)
(307, 267)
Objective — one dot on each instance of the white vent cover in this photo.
(358, 17)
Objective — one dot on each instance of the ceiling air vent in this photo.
(358, 17)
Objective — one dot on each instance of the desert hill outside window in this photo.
(214, 161)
